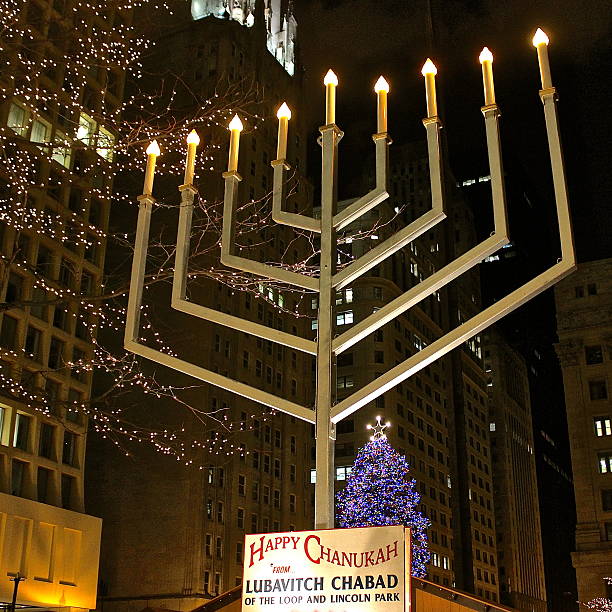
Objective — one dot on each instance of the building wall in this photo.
(174, 530)
(517, 516)
(439, 416)
(55, 183)
(584, 320)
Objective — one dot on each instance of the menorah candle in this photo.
(331, 82)
(235, 128)
(152, 153)
(283, 114)
(193, 140)
(382, 89)
(540, 42)
(486, 59)
(429, 71)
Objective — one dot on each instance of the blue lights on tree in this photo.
(380, 492)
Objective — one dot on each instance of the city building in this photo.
(55, 183)
(174, 530)
(584, 324)
(517, 515)
(439, 416)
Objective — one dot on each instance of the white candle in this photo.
(283, 114)
(486, 59)
(429, 71)
(235, 128)
(382, 89)
(331, 82)
(152, 153)
(540, 42)
(193, 140)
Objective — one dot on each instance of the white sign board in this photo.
(328, 570)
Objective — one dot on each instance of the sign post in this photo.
(365, 568)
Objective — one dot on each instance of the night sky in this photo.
(361, 39)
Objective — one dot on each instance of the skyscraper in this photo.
(174, 531)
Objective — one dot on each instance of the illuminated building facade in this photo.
(55, 183)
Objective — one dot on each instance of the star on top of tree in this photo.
(378, 429)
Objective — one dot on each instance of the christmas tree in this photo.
(380, 492)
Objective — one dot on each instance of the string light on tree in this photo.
(379, 491)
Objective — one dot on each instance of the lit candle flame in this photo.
(540, 38)
(485, 56)
(153, 148)
(284, 112)
(193, 138)
(429, 68)
(381, 85)
(236, 124)
(330, 78)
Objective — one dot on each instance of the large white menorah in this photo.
(326, 414)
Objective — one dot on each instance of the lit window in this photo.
(344, 382)
(17, 119)
(313, 476)
(106, 142)
(603, 427)
(344, 318)
(314, 324)
(41, 131)
(61, 150)
(87, 129)
(605, 463)
(343, 472)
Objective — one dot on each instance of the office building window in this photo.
(605, 462)
(239, 549)
(208, 545)
(219, 548)
(593, 354)
(46, 442)
(598, 390)
(69, 449)
(42, 484)
(22, 431)
(606, 500)
(344, 318)
(68, 487)
(603, 426)
(18, 475)
(343, 472)
(344, 382)
(240, 518)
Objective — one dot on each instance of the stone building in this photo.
(174, 531)
(584, 323)
(439, 416)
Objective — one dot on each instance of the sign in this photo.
(327, 570)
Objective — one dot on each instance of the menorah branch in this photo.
(463, 263)
(132, 332)
(179, 288)
(228, 258)
(279, 188)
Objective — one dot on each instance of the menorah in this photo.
(326, 414)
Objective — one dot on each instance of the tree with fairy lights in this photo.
(380, 492)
